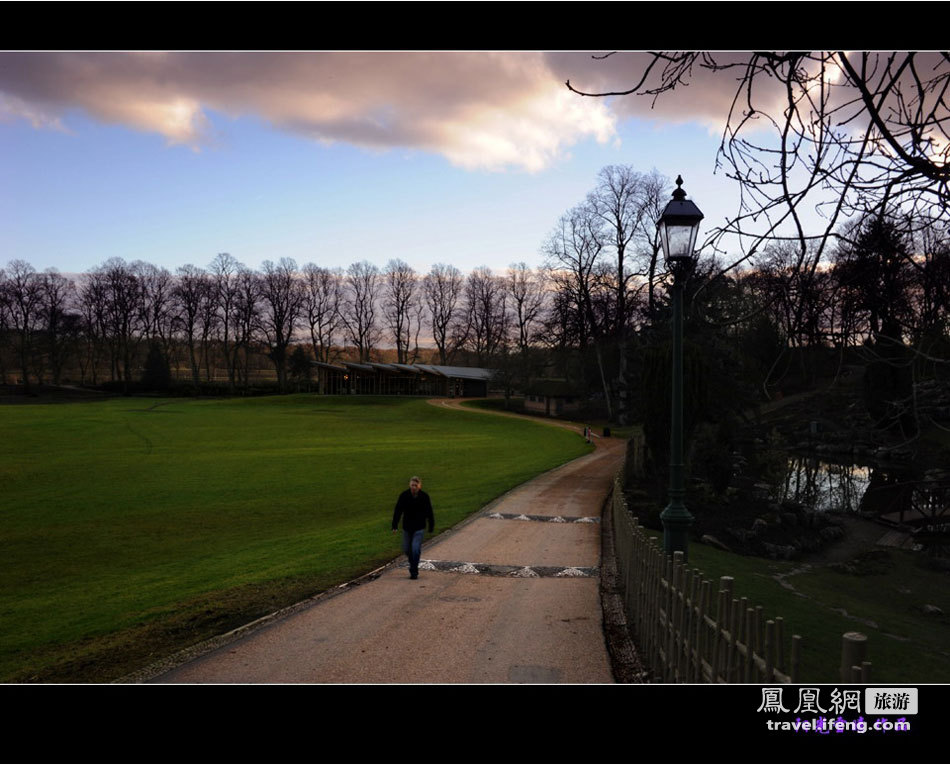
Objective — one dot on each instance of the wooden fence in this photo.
(687, 631)
(691, 631)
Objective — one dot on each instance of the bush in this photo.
(157, 374)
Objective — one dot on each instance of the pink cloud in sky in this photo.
(479, 110)
(705, 100)
(706, 96)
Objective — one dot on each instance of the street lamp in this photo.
(679, 227)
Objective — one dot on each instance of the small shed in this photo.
(552, 397)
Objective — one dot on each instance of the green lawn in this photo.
(132, 527)
(516, 406)
(884, 601)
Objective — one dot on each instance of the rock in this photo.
(759, 526)
(741, 534)
(779, 552)
(930, 610)
(831, 533)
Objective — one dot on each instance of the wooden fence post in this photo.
(702, 642)
(796, 657)
(780, 644)
(750, 632)
(854, 647)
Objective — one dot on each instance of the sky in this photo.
(466, 158)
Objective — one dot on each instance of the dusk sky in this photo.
(463, 158)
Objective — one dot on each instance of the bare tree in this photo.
(156, 309)
(22, 297)
(208, 319)
(572, 255)
(418, 320)
(122, 299)
(442, 287)
(225, 279)
(525, 289)
(245, 318)
(853, 134)
(282, 296)
(359, 313)
(191, 291)
(486, 306)
(60, 324)
(322, 302)
(654, 194)
(92, 307)
(4, 325)
(623, 204)
(399, 299)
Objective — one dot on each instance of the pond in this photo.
(892, 494)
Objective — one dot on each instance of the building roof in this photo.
(463, 373)
(383, 367)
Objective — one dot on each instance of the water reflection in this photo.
(825, 486)
(890, 494)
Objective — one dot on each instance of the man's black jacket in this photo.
(415, 511)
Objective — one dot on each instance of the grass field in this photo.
(885, 602)
(516, 407)
(132, 527)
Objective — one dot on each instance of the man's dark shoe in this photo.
(413, 576)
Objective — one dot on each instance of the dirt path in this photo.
(511, 595)
(454, 403)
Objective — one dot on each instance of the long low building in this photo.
(374, 378)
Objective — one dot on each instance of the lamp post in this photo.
(678, 228)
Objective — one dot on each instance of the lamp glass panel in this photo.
(680, 240)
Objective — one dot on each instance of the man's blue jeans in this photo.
(412, 547)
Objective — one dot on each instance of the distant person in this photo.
(415, 509)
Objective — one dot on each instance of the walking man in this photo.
(415, 508)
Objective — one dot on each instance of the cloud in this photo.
(706, 98)
(479, 110)
(12, 107)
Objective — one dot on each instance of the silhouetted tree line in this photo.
(122, 323)
(594, 314)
